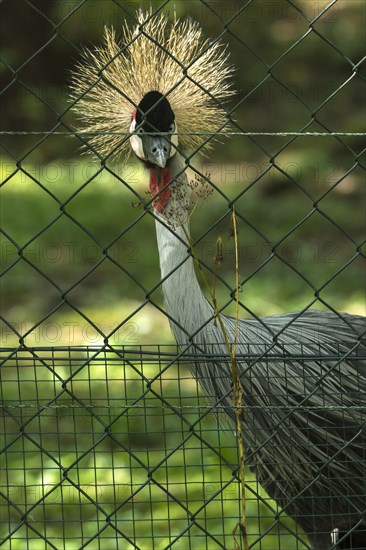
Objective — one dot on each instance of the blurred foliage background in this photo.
(60, 212)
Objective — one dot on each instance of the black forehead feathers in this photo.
(160, 118)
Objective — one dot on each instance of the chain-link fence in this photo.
(107, 439)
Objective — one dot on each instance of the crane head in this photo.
(153, 130)
(133, 93)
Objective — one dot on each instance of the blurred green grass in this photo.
(65, 253)
(100, 250)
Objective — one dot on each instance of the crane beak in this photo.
(156, 150)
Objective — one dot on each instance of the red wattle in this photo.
(159, 195)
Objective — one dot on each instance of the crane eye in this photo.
(140, 131)
(172, 128)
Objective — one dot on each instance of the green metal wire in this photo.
(67, 372)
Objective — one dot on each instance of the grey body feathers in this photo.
(305, 420)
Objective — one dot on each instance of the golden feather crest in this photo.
(173, 58)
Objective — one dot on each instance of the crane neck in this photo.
(184, 299)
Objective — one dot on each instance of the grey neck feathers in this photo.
(184, 300)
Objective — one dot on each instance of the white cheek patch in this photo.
(137, 147)
(174, 141)
(136, 142)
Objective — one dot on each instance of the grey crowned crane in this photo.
(304, 427)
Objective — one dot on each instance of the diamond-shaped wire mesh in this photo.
(107, 440)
